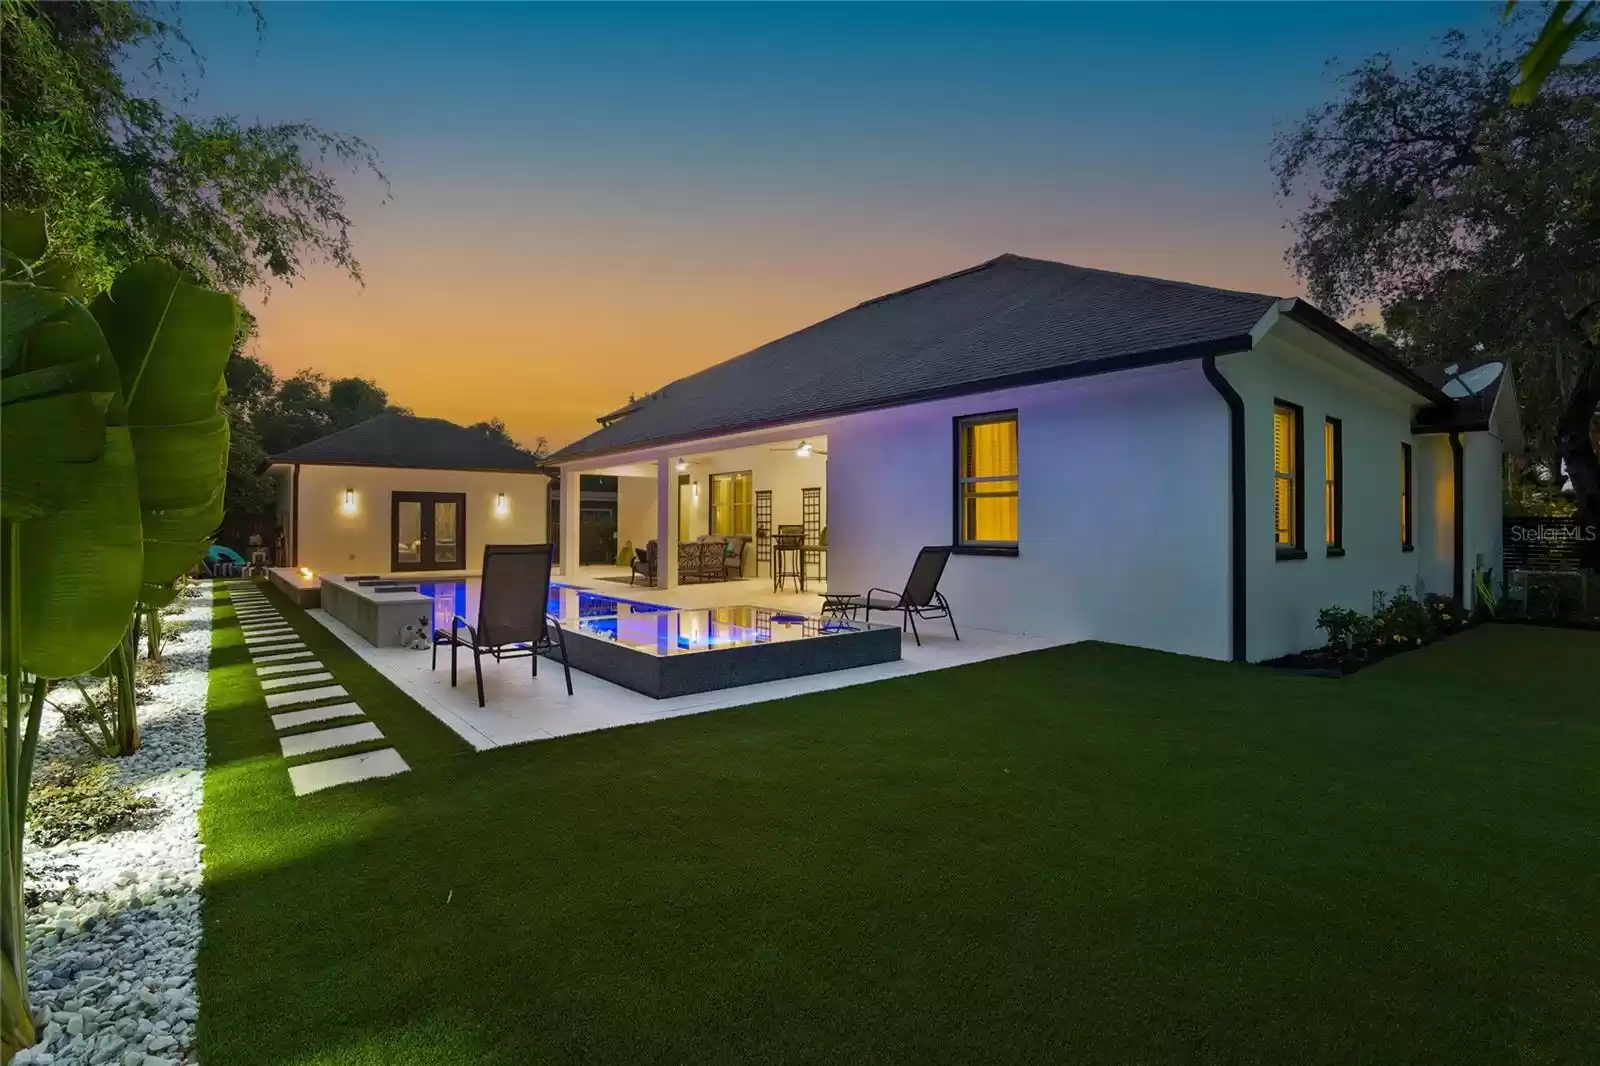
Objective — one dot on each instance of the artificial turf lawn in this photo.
(1091, 854)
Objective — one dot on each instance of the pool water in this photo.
(565, 602)
(652, 628)
(685, 631)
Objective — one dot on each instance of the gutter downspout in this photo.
(1458, 520)
(1237, 523)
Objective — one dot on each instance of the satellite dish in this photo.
(1474, 381)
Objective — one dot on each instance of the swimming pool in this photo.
(566, 603)
(655, 649)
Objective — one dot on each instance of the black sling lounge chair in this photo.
(920, 598)
(512, 623)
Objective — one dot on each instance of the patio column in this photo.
(571, 508)
(666, 523)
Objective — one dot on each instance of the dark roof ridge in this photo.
(1170, 283)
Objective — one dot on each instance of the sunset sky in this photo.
(591, 201)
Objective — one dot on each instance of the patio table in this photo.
(842, 605)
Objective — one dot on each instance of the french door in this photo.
(429, 530)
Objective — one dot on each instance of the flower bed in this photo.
(113, 921)
(1398, 624)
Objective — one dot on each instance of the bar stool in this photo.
(787, 561)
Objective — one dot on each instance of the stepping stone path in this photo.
(290, 676)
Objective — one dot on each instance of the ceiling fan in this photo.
(803, 450)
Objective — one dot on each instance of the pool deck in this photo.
(522, 708)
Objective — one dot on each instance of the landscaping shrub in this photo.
(1445, 616)
(1349, 632)
(1401, 621)
(76, 801)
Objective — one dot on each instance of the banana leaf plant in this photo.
(115, 459)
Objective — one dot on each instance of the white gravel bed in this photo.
(111, 951)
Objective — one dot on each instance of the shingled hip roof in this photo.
(1007, 322)
(409, 441)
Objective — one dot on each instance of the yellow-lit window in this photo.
(1405, 496)
(987, 481)
(1333, 481)
(732, 504)
(1286, 469)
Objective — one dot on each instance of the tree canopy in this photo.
(495, 429)
(1472, 225)
(123, 175)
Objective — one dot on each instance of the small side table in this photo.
(841, 606)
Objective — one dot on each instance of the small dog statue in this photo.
(414, 636)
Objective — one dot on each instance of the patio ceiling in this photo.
(697, 452)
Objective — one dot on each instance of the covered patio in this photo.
(748, 514)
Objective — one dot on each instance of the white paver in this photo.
(266, 643)
(285, 682)
(285, 657)
(310, 695)
(255, 651)
(340, 736)
(290, 719)
(315, 776)
(266, 627)
(268, 634)
(308, 663)
(255, 612)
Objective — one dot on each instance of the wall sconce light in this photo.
(804, 451)
(349, 501)
(501, 507)
(683, 464)
(696, 493)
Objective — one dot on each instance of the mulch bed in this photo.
(1319, 662)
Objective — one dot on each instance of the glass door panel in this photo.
(408, 533)
(446, 546)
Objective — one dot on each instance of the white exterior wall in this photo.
(1434, 483)
(1284, 595)
(1123, 514)
(333, 541)
(636, 510)
(1483, 457)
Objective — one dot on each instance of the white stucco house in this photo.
(399, 494)
(1113, 457)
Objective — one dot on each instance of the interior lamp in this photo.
(305, 572)
(804, 451)
(683, 465)
(349, 501)
(501, 507)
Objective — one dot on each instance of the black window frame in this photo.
(1336, 545)
(1408, 507)
(1297, 510)
(959, 544)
